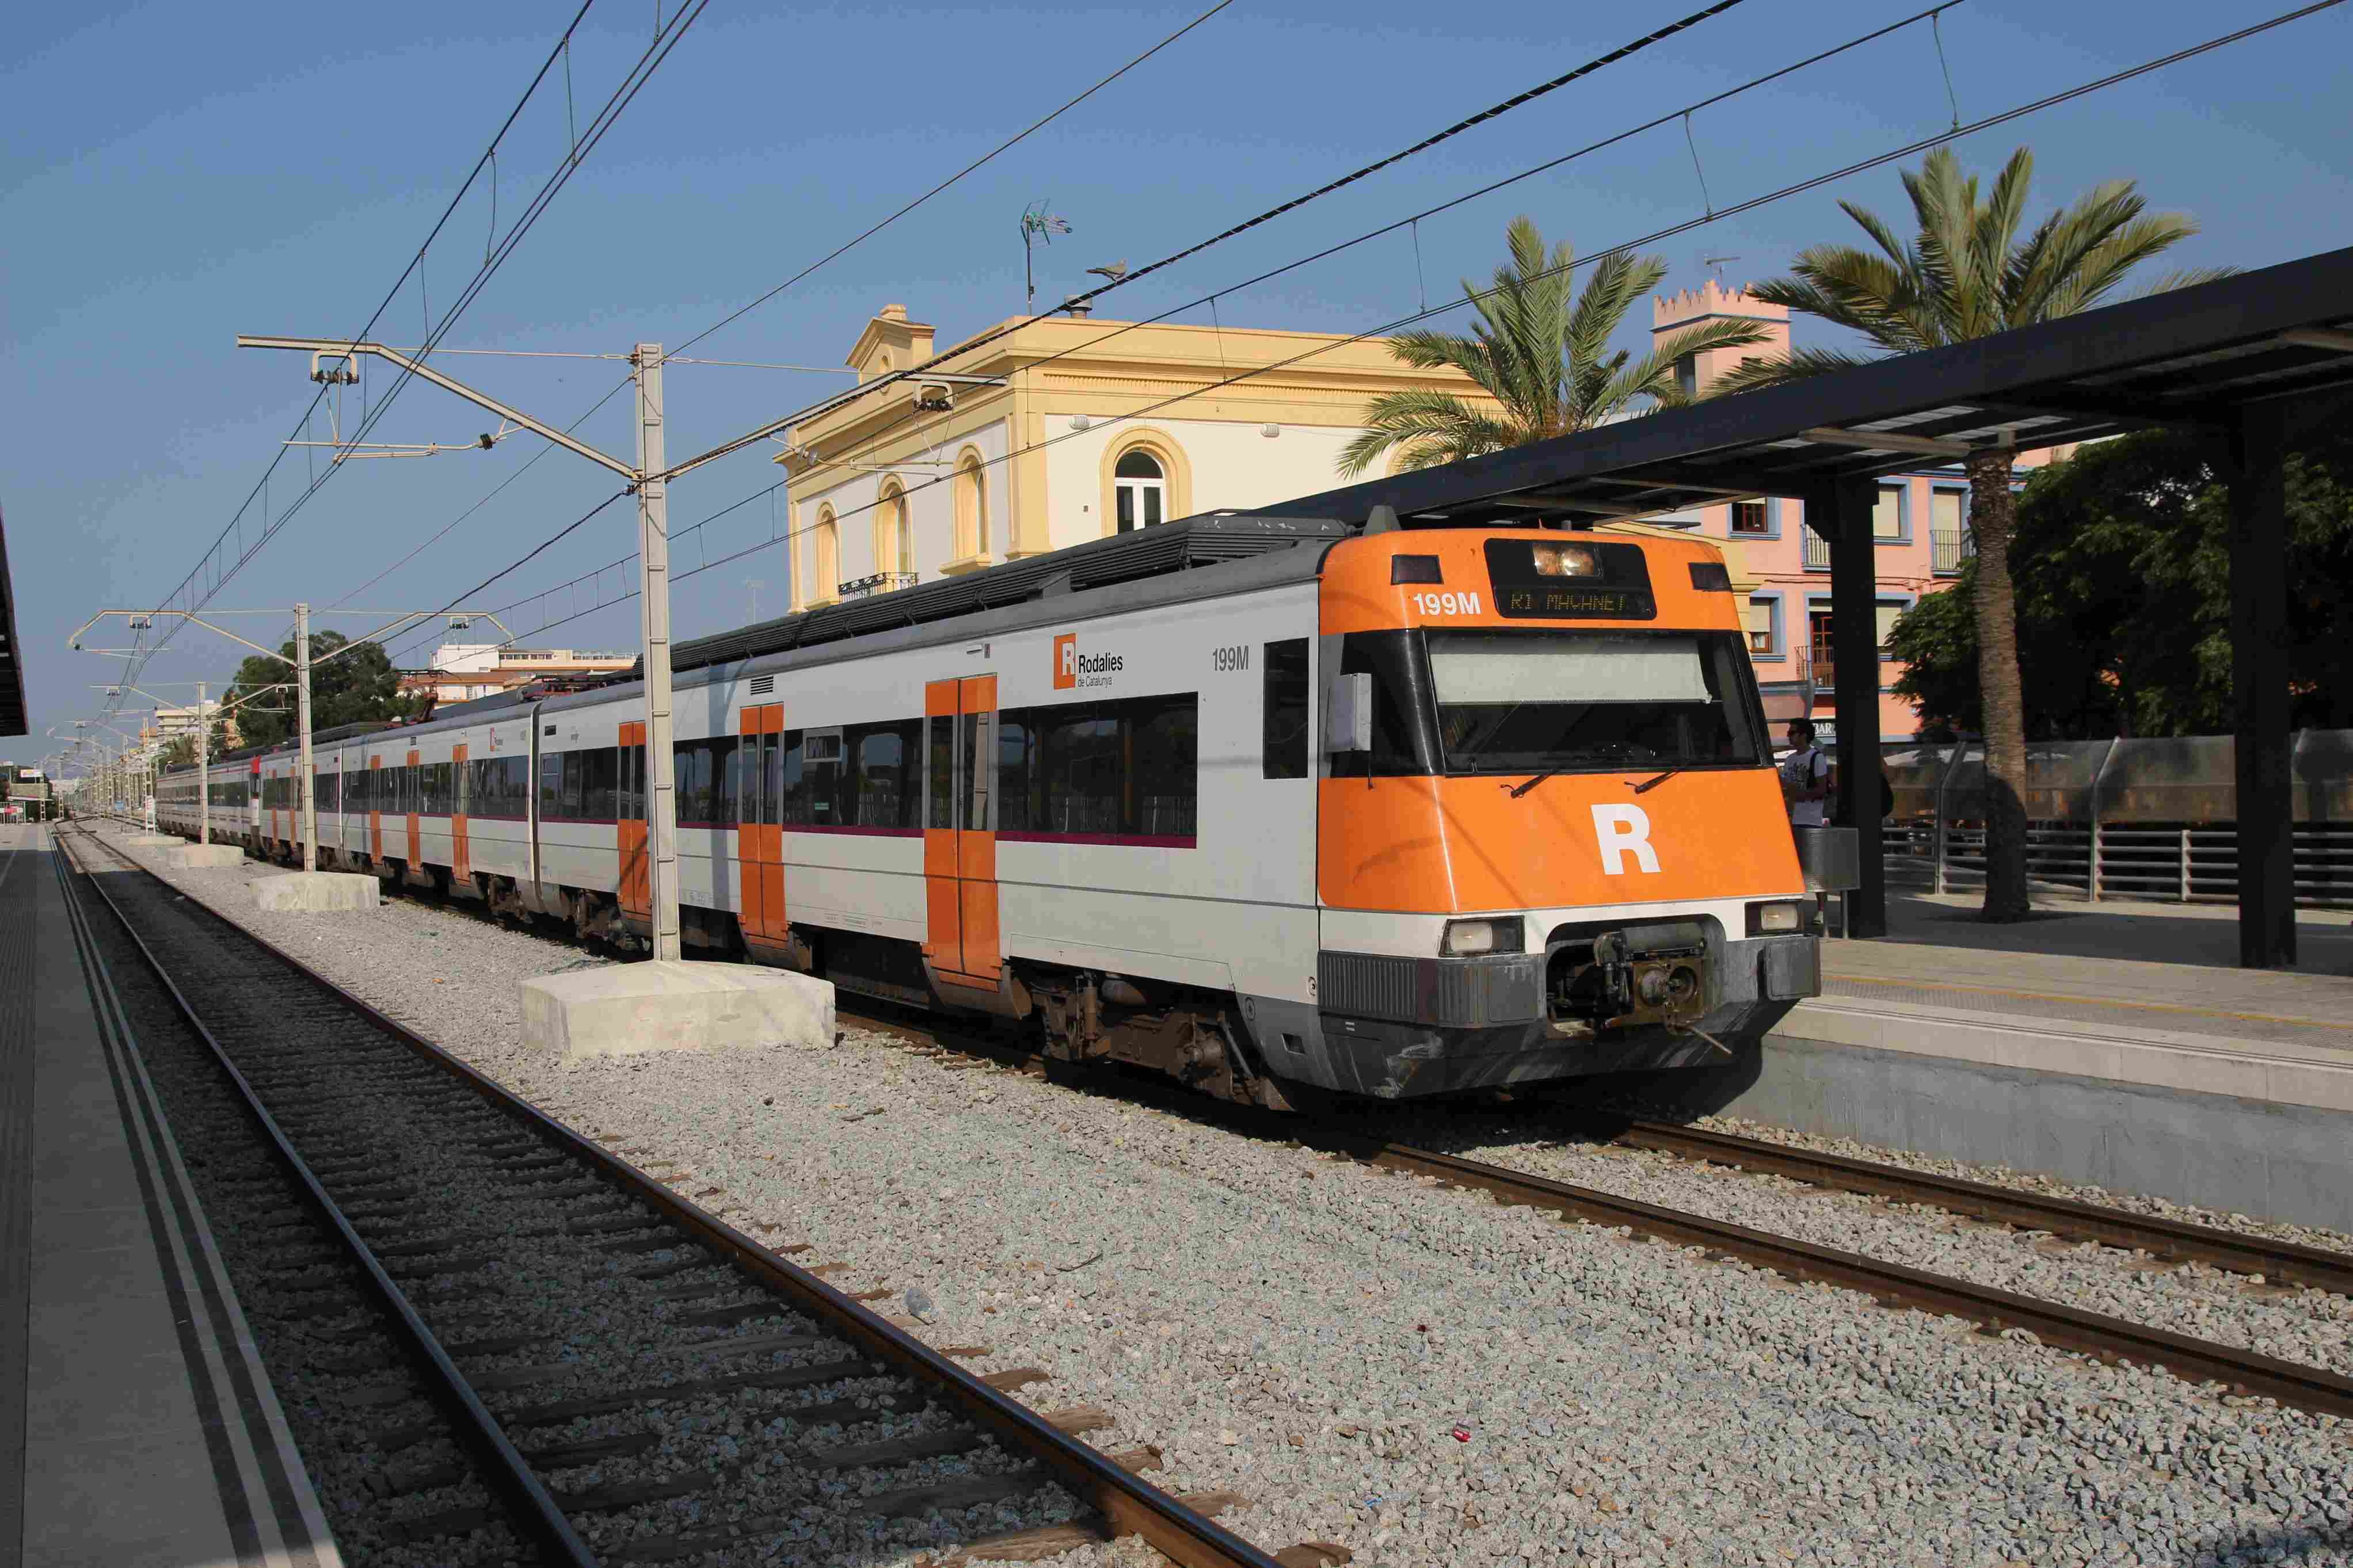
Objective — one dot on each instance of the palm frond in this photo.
(1801, 365)
(1421, 415)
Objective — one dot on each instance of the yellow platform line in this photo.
(2085, 1001)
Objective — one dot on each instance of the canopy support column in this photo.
(2259, 683)
(1841, 514)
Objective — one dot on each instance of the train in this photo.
(1281, 808)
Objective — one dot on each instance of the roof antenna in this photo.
(1384, 520)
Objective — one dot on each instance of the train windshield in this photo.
(1518, 702)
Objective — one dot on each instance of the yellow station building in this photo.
(1083, 428)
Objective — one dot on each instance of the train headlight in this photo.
(1775, 919)
(1465, 937)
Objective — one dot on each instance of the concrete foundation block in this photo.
(317, 893)
(154, 841)
(625, 1009)
(205, 857)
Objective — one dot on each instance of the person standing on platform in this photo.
(1807, 784)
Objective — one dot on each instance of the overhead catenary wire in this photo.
(1459, 126)
(559, 50)
(1782, 192)
(1751, 204)
(680, 356)
(606, 117)
(1020, 136)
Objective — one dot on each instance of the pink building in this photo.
(1922, 527)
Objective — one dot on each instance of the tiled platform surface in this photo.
(2118, 1045)
(137, 1427)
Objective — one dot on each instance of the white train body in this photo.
(1143, 813)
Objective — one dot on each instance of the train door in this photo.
(960, 830)
(759, 835)
(411, 799)
(636, 873)
(461, 869)
(375, 806)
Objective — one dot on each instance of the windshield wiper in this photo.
(1518, 790)
(1647, 786)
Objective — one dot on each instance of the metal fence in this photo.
(2119, 820)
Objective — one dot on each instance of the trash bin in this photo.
(1832, 861)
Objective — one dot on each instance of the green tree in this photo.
(355, 687)
(1541, 350)
(2120, 562)
(1967, 274)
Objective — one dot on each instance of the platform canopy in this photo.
(2257, 358)
(2194, 356)
(11, 668)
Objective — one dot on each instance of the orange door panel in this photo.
(976, 832)
(461, 868)
(960, 856)
(1443, 845)
(635, 881)
(772, 833)
(752, 887)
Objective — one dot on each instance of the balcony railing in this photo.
(1948, 547)
(877, 583)
(1818, 551)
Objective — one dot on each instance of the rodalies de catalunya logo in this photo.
(1074, 670)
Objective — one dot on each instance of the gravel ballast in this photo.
(1415, 1372)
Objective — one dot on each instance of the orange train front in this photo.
(1267, 804)
(1550, 840)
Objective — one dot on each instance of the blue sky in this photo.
(168, 180)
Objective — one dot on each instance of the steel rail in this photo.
(2274, 1260)
(535, 1512)
(1126, 1504)
(2096, 1334)
(2070, 1328)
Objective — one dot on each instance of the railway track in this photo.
(626, 1377)
(1994, 1309)
(2240, 1372)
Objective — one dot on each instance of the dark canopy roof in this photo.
(11, 668)
(2191, 356)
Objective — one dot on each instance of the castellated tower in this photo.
(1713, 301)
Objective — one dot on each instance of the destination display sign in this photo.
(1570, 579)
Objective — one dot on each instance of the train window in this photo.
(1285, 721)
(629, 795)
(575, 777)
(886, 761)
(551, 785)
(599, 781)
(792, 792)
(1403, 745)
(720, 807)
(691, 781)
(1080, 750)
(1101, 770)
(1013, 749)
(939, 750)
(821, 774)
(970, 757)
(1164, 779)
(1517, 702)
(771, 784)
(743, 787)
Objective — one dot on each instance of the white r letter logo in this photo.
(1619, 829)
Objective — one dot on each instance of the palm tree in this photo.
(1541, 350)
(1968, 275)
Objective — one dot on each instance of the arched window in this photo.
(1141, 489)
(828, 554)
(971, 507)
(893, 551)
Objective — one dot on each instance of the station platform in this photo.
(137, 1422)
(2113, 1044)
